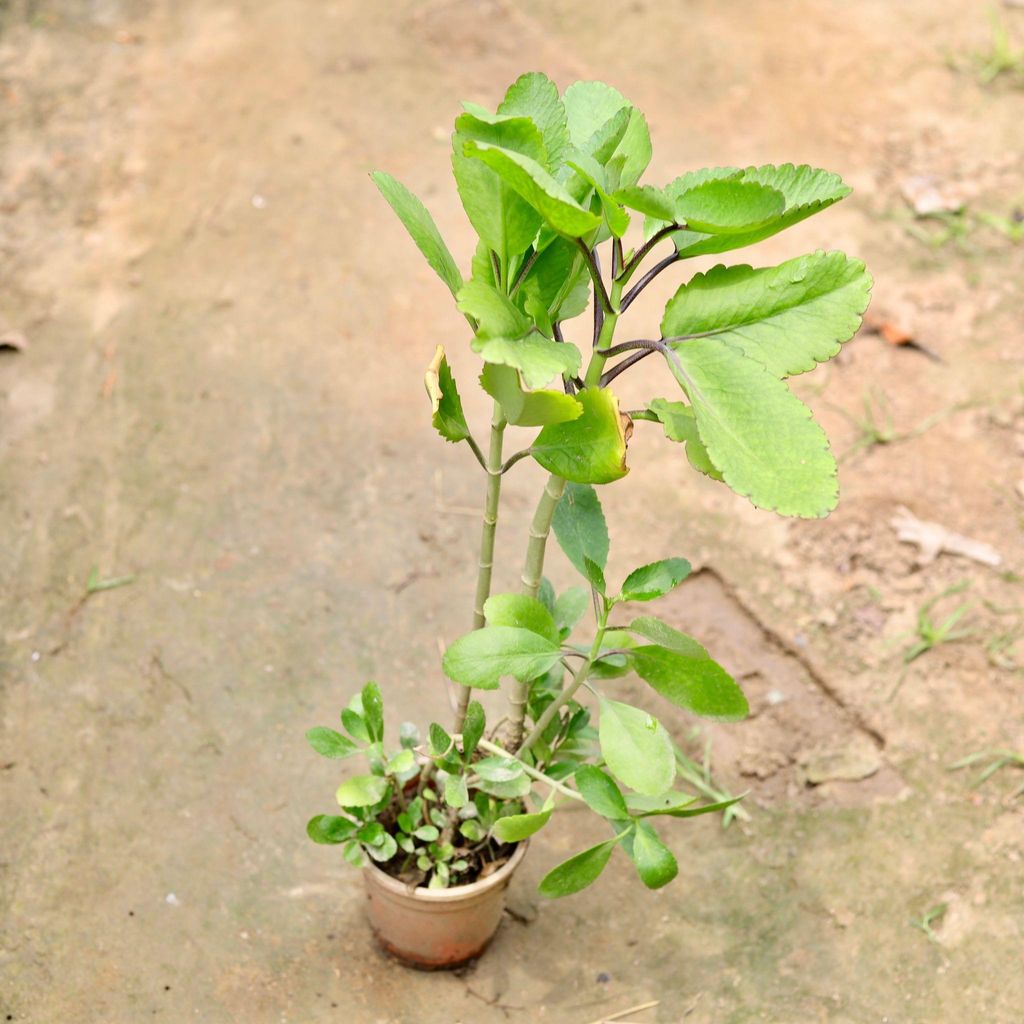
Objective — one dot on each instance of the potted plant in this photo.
(551, 184)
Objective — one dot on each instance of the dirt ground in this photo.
(220, 395)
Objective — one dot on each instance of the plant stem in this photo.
(487, 532)
(533, 571)
(604, 340)
(493, 748)
(569, 692)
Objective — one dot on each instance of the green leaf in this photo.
(521, 611)
(665, 635)
(402, 762)
(571, 605)
(513, 789)
(683, 811)
(527, 408)
(559, 280)
(577, 872)
(428, 833)
(498, 769)
(409, 735)
(603, 123)
(600, 792)
(384, 850)
(420, 225)
(695, 683)
(636, 747)
(355, 725)
(654, 861)
(580, 526)
(727, 207)
(654, 580)
(472, 728)
(329, 829)
(330, 743)
(362, 791)
(789, 318)
(505, 222)
(537, 358)
(546, 195)
(456, 793)
(440, 743)
(806, 190)
(514, 828)
(496, 314)
(594, 574)
(373, 711)
(647, 199)
(615, 217)
(665, 803)
(534, 95)
(448, 418)
(761, 437)
(472, 830)
(479, 659)
(591, 449)
(680, 424)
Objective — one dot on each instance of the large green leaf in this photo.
(636, 747)
(591, 449)
(577, 872)
(665, 635)
(559, 280)
(580, 526)
(680, 424)
(520, 611)
(725, 206)
(529, 178)
(807, 190)
(362, 791)
(527, 408)
(420, 225)
(654, 580)
(647, 199)
(534, 95)
(537, 358)
(788, 317)
(479, 659)
(654, 861)
(693, 682)
(448, 418)
(759, 435)
(600, 792)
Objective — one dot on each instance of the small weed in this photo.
(1001, 58)
(997, 759)
(1011, 228)
(928, 918)
(876, 429)
(700, 778)
(929, 634)
(951, 226)
(95, 584)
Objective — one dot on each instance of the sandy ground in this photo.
(221, 396)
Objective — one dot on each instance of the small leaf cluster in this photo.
(426, 823)
(547, 180)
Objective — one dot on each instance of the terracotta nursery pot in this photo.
(437, 928)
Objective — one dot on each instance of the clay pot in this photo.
(437, 928)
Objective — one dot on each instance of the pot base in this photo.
(437, 929)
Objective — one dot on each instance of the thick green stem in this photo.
(533, 571)
(487, 532)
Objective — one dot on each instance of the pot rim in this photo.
(457, 892)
